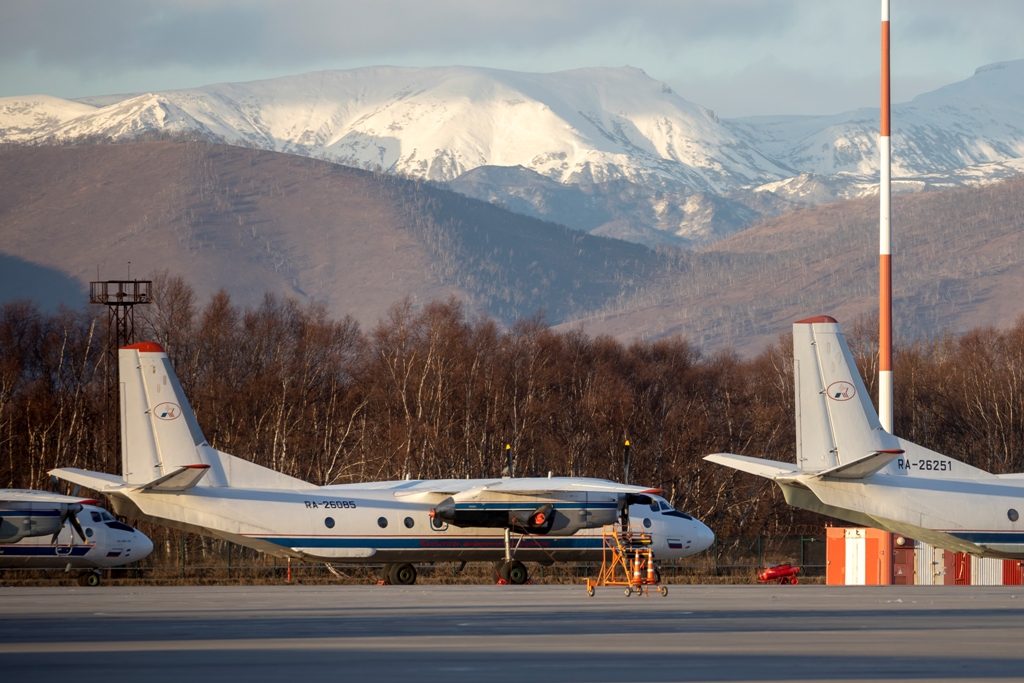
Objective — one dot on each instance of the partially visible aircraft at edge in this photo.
(172, 476)
(38, 530)
(850, 468)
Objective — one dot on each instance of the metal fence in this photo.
(191, 559)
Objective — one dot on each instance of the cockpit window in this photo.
(95, 516)
(654, 506)
(677, 513)
(665, 506)
(106, 517)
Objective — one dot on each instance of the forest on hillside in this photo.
(435, 392)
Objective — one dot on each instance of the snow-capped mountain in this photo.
(610, 151)
(587, 125)
(979, 120)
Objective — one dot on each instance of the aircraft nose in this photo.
(141, 545)
(704, 537)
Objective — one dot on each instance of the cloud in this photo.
(815, 53)
(119, 34)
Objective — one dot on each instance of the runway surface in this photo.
(512, 633)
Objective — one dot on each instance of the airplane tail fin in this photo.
(161, 442)
(836, 424)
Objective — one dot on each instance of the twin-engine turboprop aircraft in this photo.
(849, 467)
(38, 530)
(171, 475)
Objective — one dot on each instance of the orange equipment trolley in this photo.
(627, 560)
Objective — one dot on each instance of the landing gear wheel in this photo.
(402, 574)
(92, 579)
(385, 572)
(664, 590)
(517, 574)
(501, 569)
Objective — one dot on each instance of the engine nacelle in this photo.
(532, 521)
(548, 519)
(15, 526)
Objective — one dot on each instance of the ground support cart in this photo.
(627, 561)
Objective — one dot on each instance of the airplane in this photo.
(849, 467)
(38, 528)
(172, 476)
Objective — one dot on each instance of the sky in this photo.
(737, 57)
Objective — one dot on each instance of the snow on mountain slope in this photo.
(975, 121)
(587, 125)
(24, 117)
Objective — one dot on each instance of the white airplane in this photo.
(171, 475)
(850, 468)
(37, 531)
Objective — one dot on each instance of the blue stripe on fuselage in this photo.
(415, 543)
(983, 537)
(533, 505)
(17, 550)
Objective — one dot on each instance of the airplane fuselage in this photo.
(979, 516)
(386, 522)
(108, 543)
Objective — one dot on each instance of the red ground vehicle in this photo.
(780, 573)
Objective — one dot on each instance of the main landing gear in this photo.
(510, 571)
(403, 574)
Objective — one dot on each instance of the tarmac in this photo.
(528, 633)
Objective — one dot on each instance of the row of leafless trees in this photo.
(436, 392)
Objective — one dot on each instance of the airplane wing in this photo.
(769, 469)
(566, 484)
(27, 496)
(525, 486)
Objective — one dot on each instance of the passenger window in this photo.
(95, 516)
(88, 531)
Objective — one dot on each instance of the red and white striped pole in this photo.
(885, 243)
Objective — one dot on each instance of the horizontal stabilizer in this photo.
(27, 496)
(97, 481)
(179, 480)
(862, 467)
(769, 469)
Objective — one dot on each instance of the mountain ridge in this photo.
(659, 168)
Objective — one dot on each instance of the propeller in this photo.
(68, 513)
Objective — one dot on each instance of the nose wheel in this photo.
(90, 579)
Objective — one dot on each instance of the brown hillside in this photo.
(252, 221)
(958, 263)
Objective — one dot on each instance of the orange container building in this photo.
(865, 557)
